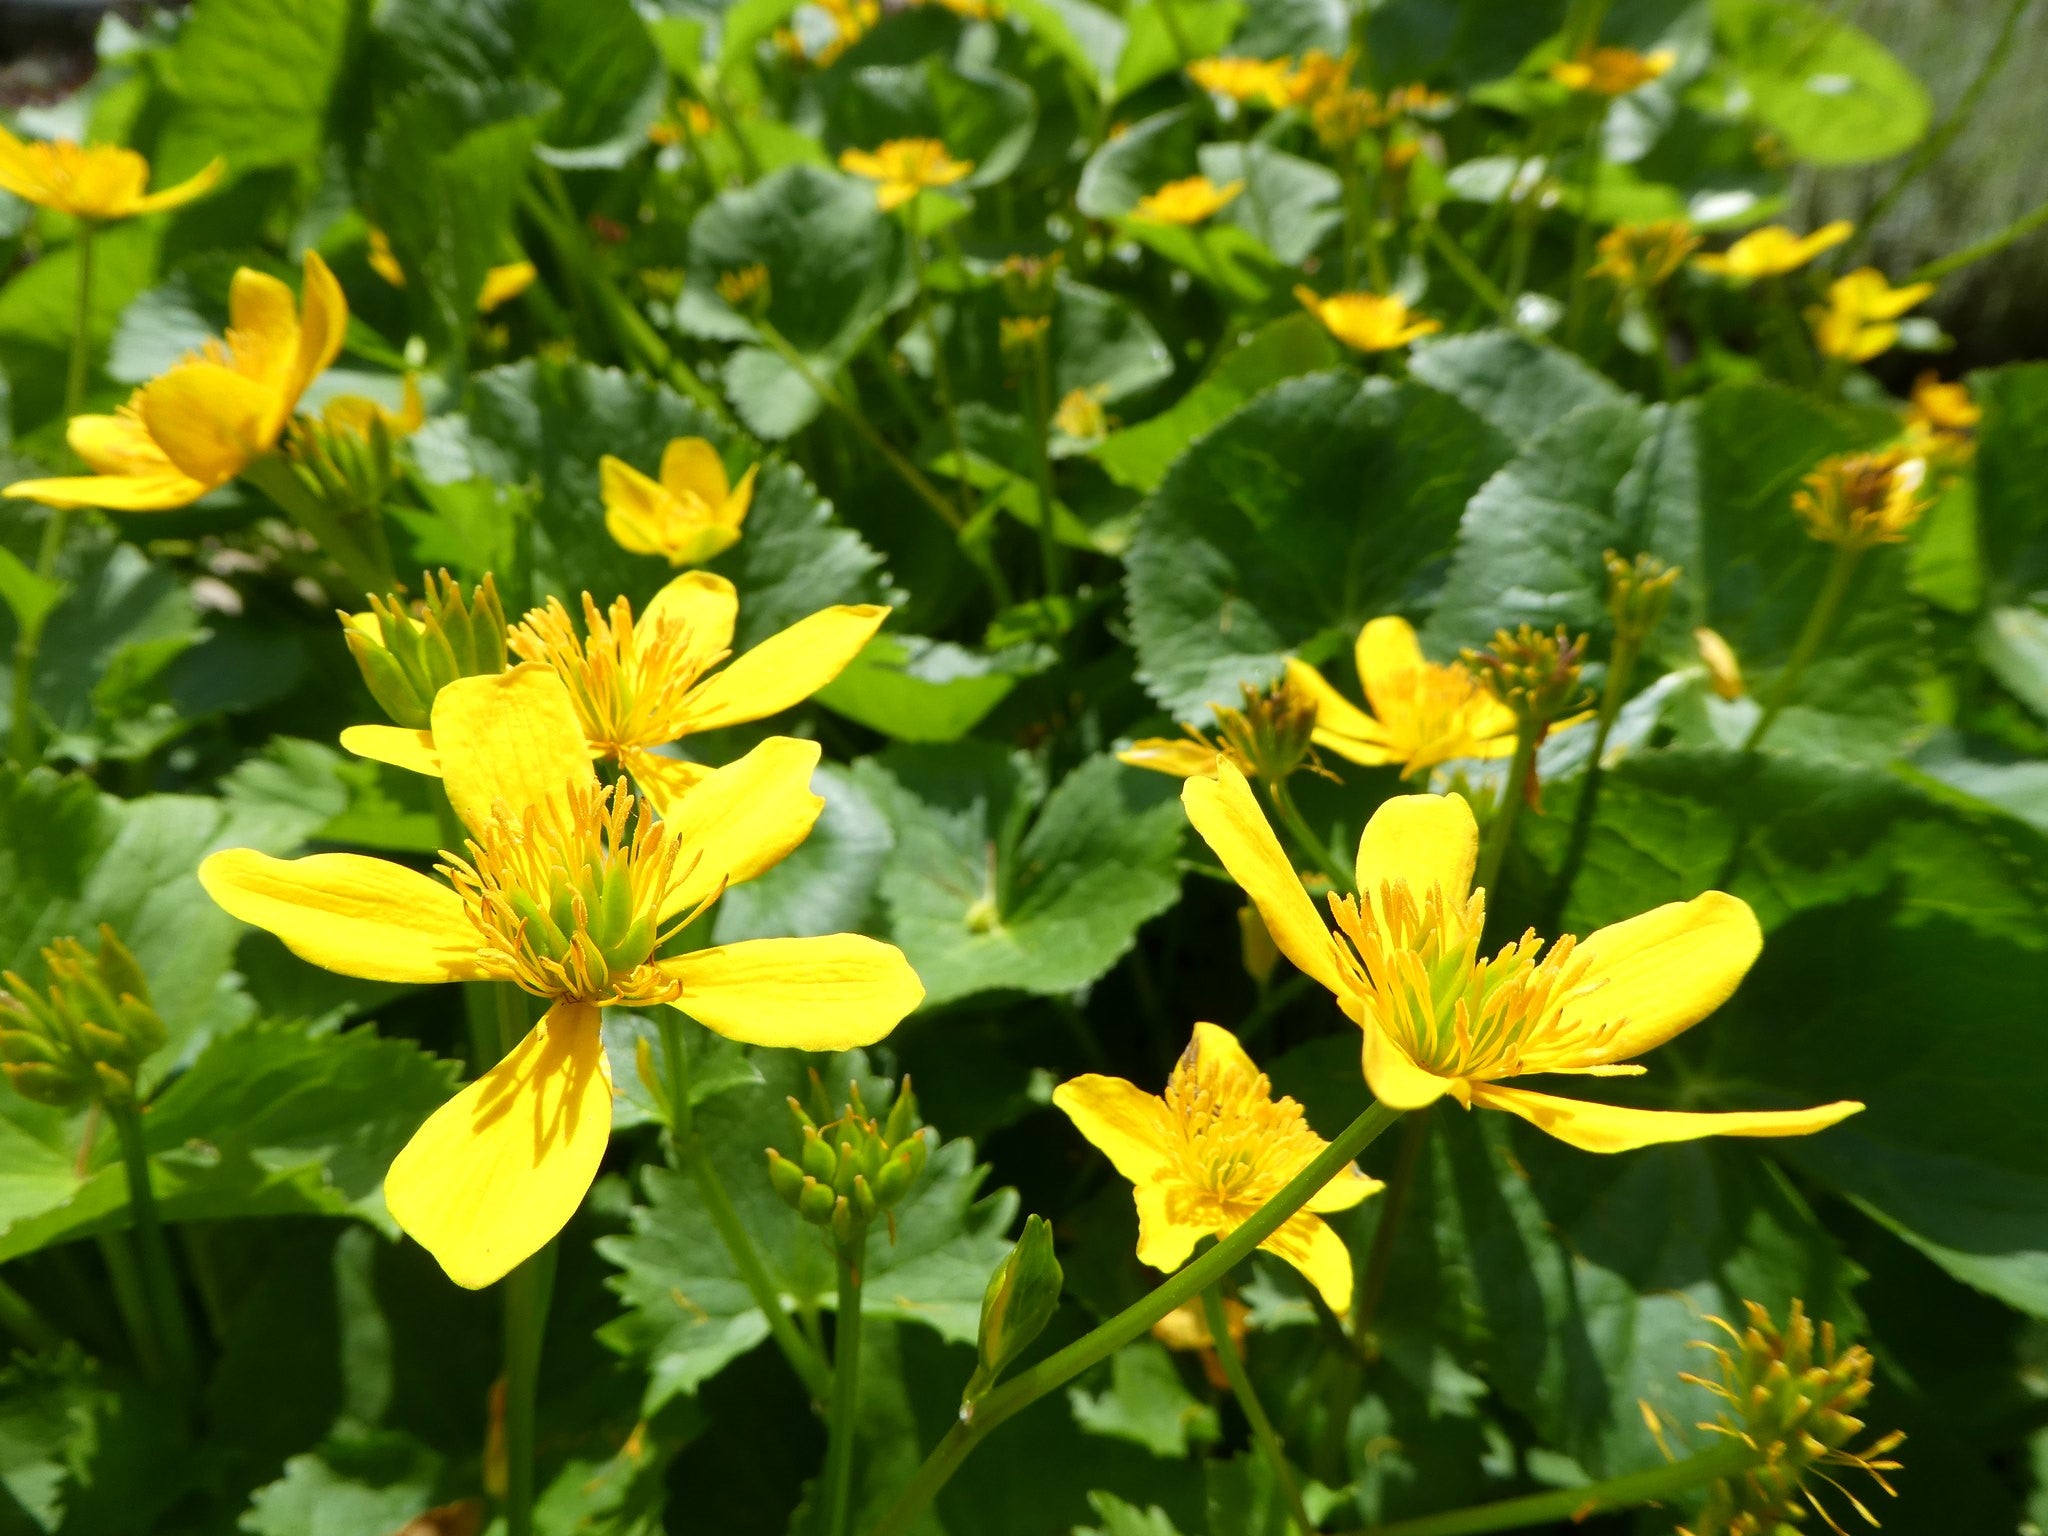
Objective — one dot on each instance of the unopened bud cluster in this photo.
(853, 1169)
(407, 658)
(346, 458)
(1856, 501)
(1272, 734)
(1030, 283)
(85, 1034)
(1793, 1398)
(1638, 591)
(1536, 675)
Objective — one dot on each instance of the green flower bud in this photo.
(407, 658)
(787, 1178)
(84, 1035)
(815, 1202)
(854, 1169)
(1021, 1298)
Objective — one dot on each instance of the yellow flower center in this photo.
(1435, 713)
(568, 903)
(629, 680)
(1237, 1143)
(1414, 970)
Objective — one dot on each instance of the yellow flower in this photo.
(1858, 320)
(1205, 1156)
(1344, 115)
(211, 416)
(1856, 501)
(1940, 419)
(1422, 713)
(1773, 251)
(1724, 671)
(1265, 81)
(359, 416)
(637, 684)
(1644, 255)
(1316, 75)
(92, 181)
(1439, 1018)
(1186, 1330)
(1418, 100)
(743, 285)
(568, 889)
(1611, 71)
(902, 168)
(501, 284)
(690, 515)
(1368, 322)
(1081, 415)
(1187, 201)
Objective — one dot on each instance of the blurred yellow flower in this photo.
(1080, 414)
(743, 285)
(1367, 322)
(1860, 317)
(1941, 416)
(101, 182)
(1773, 251)
(1644, 255)
(1611, 71)
(1264, 81)
(1422, 713)
(1187, 201)
(1856, 501)
(1724, 671)
(902, 168)
(1315, 75)
(359, 416)
(212, 415)
(1205, 1155)
(501, 283)
(641, 683)
(1440, 1019)
(690, 515)
(567, 888)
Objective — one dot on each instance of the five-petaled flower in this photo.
(1205, 1155)
(1612, 71)
(640, 683)
(99, 182)
(1772, 251)
(1267, 82)
(1187, 201)
(1860, 318)
(902, 168)
(1440, 1018)
(214, 414)
(1367, 322)
(690, 515)
(568, 889)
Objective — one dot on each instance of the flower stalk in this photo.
(1263, 1433)
(528, 1291)
(849, 1260)
(165, 1309)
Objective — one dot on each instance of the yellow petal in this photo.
(1427, 841)
(1121, 1121)
(393, 744)
(1661, 973)
(323, 323)
(500, 1168)
(1308, 1243)
(1229, 819)
(1178, 755)
(821, 994)
(210, 421)
(512, 737)
(1366, 754)
(1609, 1128)
(183, 192)
(263, 329)
(690, 466)
(117, 445)
(1163, 1242)
(343, 912)
(1349, 1188)
(631, 496)
(705, 605)
(739, 499)
(116, 493)
(1217, 1046)
(504, 283)
(743, 818)
(784, 669)
(1385, 652)
(1334, 713)
(662, 781)
(1392, 1074)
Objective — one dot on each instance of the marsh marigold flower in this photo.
(1268, 737)
(1262, 81)
(1773, 251)
(1190, 200)
(1367, 322)
(1611, 71)
(1418, 713)
(1856, 501)
(1205, 1155)
(1941, 420)
(1441, 1019)
(1644, 255)
(502, 283)
(100, 182)
(1080, 414)
(692, 514)
(214, 414)
(568, 889)
(1859, 320)
(902, 168)
(639, 683)
(1724, 670)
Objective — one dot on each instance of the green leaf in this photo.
(827, 885)
(2012, 477)
(1288, 204)
(361, 1484)
(982, 893)
(1145, 156)
(916, 689)
(27, 595)
(1087, 37)
(1831, 92)
(980, 115)
(607, 73)
(1121, 1519)
(1321, 504)
(547, 425)
(1517, 386)
(689, 1314)
(1146, 1403)
(2013, 643)
(252, 82)
(1140, 456)
(1158, 42)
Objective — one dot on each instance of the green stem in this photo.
(159, 1279)
(1819, 620)
(1263, 1433)
(687, 1151)
(1098, 1345)
(845, 1426)
(1393, 1205)
(131, 1300)
(1041, 428)
(1660, 338)
(274, 476)
(1575, 1504)
(942, 375)
(1501, 830)
(1464, 266)
(1314, 848)
(81, 323)
(1582, 238)
(18, 1315)
(2018, 229)
(528, 1290)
